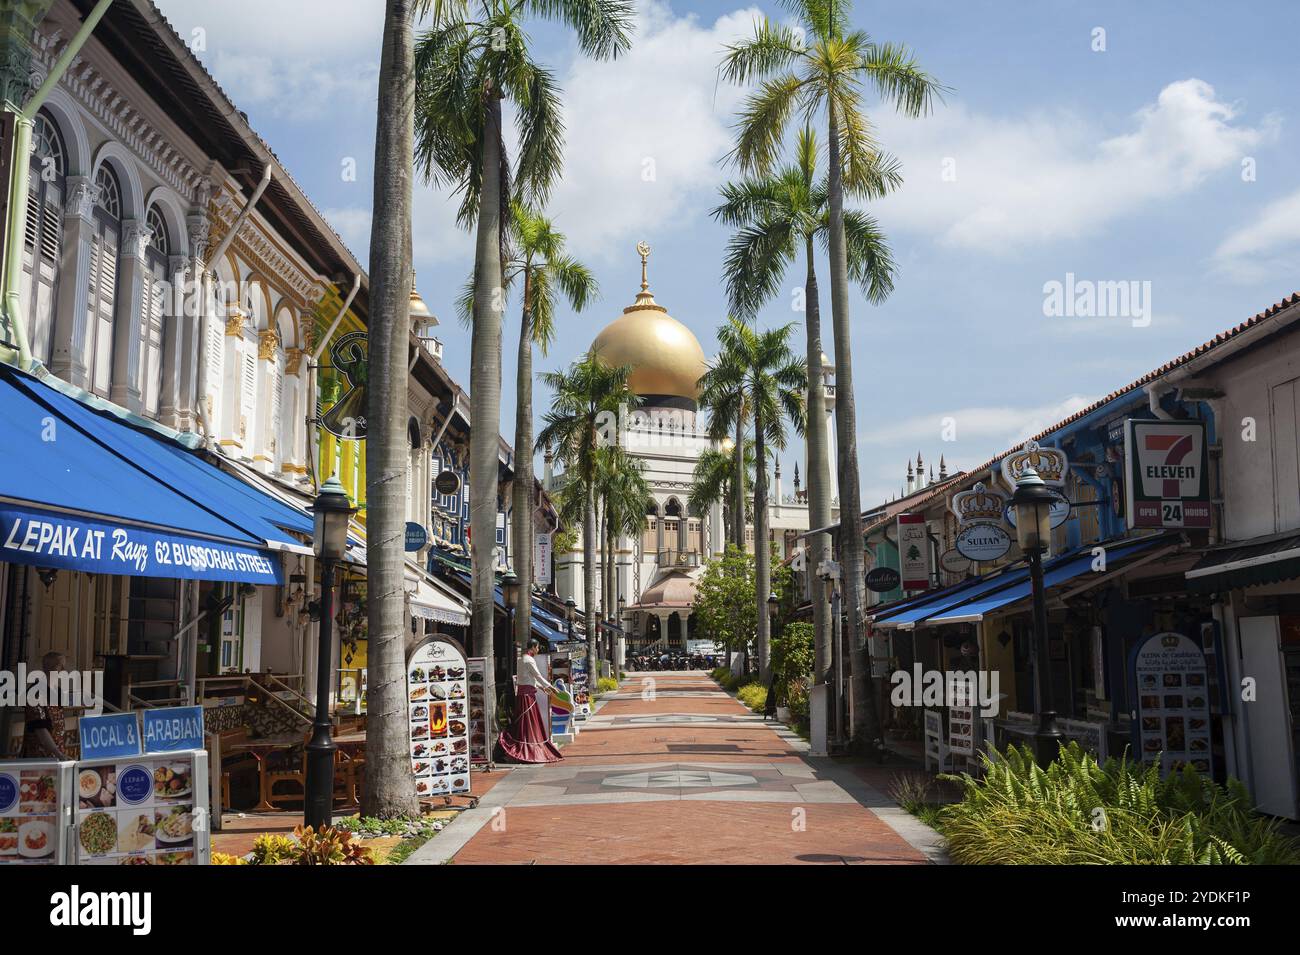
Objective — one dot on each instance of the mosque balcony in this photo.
(678, 558)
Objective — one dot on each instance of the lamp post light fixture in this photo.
(570, 610)
(333, 511)
(510, 592)
(828, 571)
(1033, 501)
(620, 638)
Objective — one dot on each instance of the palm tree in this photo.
(723, 398)
(712, 478)
(390, 787)
(822, 65)
(538, 261)
(584, 401)
(466, 68)
(624, 498)
(776, 216)
(775, 380)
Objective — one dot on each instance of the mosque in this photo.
(656, 571)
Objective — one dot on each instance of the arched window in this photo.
(43, 241)
(153, 329)
(101, 302)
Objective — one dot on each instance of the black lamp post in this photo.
(1033, 501)
(615, 663)
(330, 541)
(510, 591)
(570, 609)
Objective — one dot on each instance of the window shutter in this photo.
(277, 387)
(103, 295)
(248, 396)
(151, 341)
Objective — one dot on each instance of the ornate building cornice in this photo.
(265, 254)
(88, 86)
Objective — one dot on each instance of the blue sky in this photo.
(1166, 158)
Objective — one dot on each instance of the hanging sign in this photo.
(350, 357)
(416, 536)
(978, 504)
(438, 718)
(1167, 469)
(983, 542)
(1172, 720)
(913, 552)
(542, 559)
(447, 482)
(881, 580)
(1050, 463)
(954, 562)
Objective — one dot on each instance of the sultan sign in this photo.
(1167, 468)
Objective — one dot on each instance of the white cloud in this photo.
(660, 109)
(985, 430)
(1057, 176)
(287, 58)
(1266, 246)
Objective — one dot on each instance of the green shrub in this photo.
(272, 850)
(793, 658)
(606, 684)
(1077, 812)
(721, 674)
(753, 695)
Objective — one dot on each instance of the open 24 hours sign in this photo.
(1168, 473)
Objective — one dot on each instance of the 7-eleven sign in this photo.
(1167, 464)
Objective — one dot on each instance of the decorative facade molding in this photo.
(136, 237)
(267, 342)
(102, 100)
(293, 360)
(82, 196)
(265, 254)
(235, 322)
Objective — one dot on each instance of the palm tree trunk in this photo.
(390, 787)
(485, 406)
(819, 505)
(589, 578)
(866, 724)
(738, 487)
(762, 570)
(522, 496)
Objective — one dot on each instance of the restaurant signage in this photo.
(416, 536)
(983, 542)
(438, 718)
(913, 552)
(978, 505)
(143, 810)
(476, 676)
(542, 559)
(172, 729)
(881, 580)
(34, 800)
(954, 562)
(1167, 470)
(109, 735)
(1057, 515)
(44, 539)
(447, 482)
(1051, 464)
(1172, 719)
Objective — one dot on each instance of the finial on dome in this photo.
(643, 249)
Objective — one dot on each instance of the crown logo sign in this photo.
(1050, 464)
(1170, 641)
(978, 504)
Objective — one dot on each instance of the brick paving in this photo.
(680, 791)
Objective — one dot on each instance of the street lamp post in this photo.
(510, 591)
(330, 540)
(616, 663)
(570, 608)
(1032, 502)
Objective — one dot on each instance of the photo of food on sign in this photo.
(437, 689)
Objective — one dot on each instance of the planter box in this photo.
(783, 714)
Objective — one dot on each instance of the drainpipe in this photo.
(1154, 394)
(24, 122)
(205, 316)
(313, 363)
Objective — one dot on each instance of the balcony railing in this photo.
(678, 558)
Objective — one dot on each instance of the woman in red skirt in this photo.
(526, 741)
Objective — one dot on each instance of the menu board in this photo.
(581, 688)
(961, 729)
(34, 797)
(476, 668)
(142, 810)
(1173, 714)
(438, 711)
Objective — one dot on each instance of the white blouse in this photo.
(530, 674)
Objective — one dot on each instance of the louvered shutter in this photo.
(248, 397)
(103, 295)
(151, 340)
(276, 386)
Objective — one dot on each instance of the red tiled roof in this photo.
(1197, 352)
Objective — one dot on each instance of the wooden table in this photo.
(260, 749)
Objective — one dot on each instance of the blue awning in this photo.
(541, 626)
(87, 491)
(918, 608)
(974, 604)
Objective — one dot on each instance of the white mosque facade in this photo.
(656, 571)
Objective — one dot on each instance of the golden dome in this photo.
(665, 357)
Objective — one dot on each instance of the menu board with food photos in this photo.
(1172, 722)
(476, 668)
(142, 810)
(437, 687)
(35, 798)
